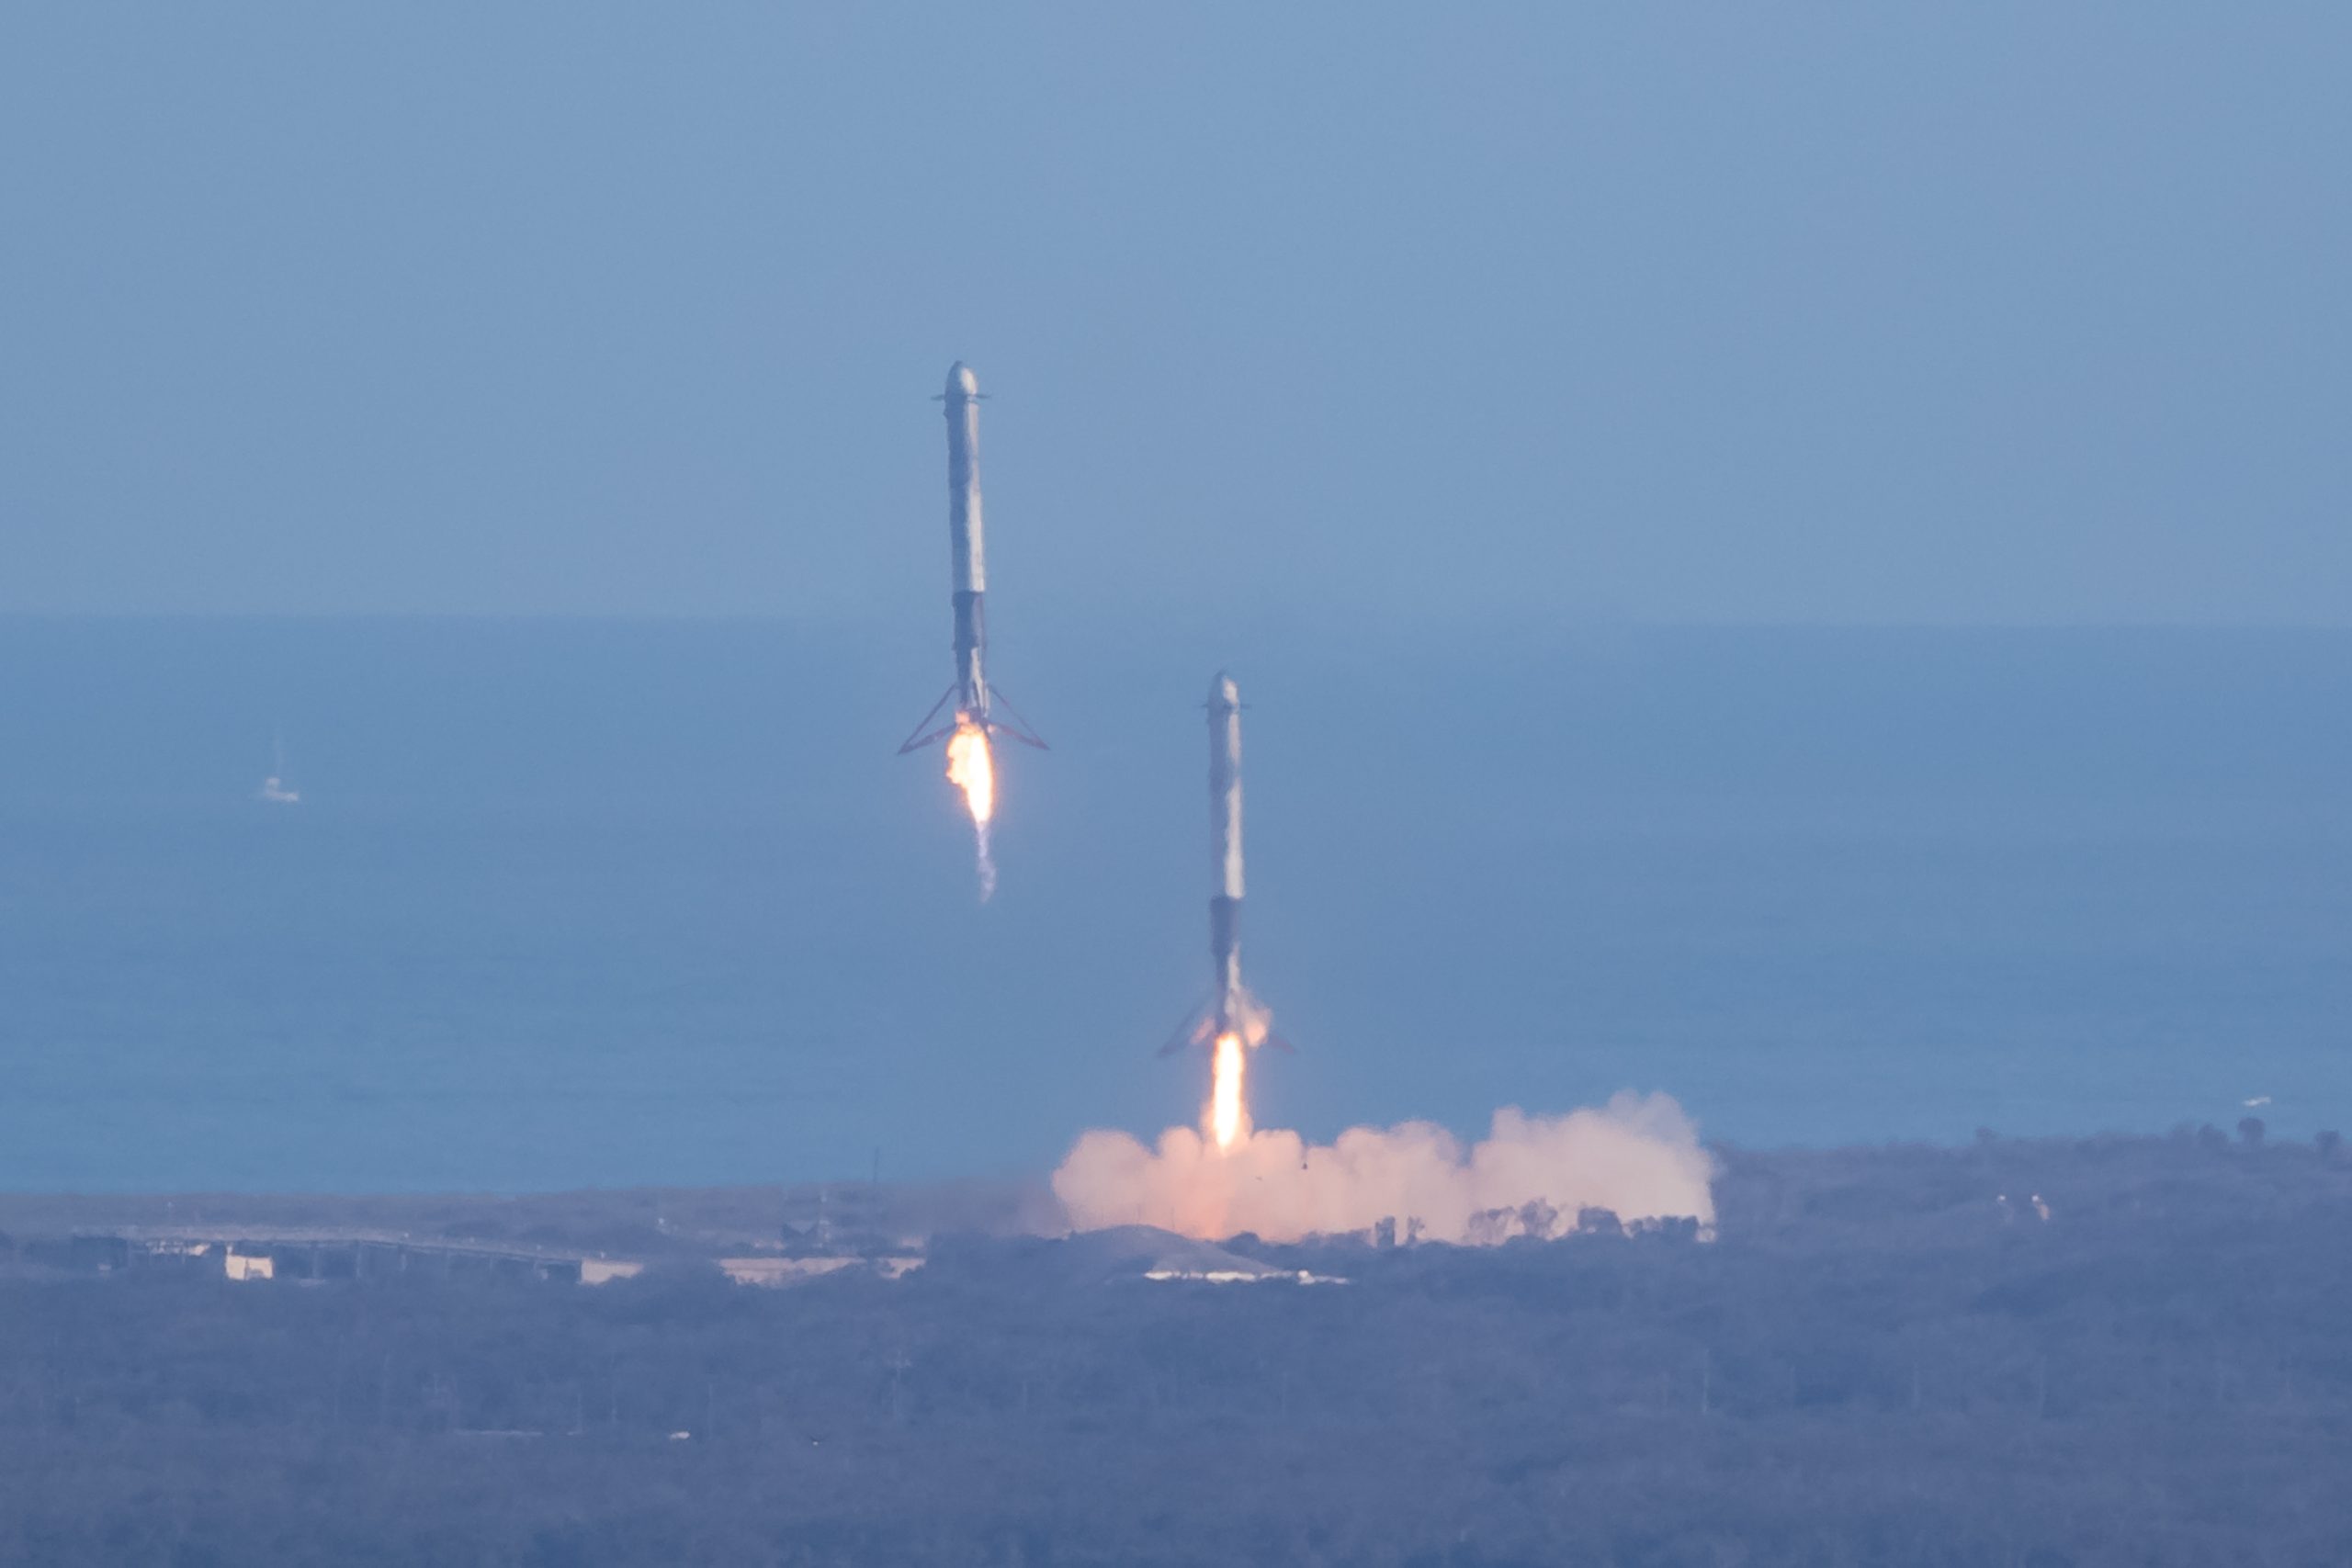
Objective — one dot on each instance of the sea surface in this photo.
(618, 903)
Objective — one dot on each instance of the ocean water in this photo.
(613, 903)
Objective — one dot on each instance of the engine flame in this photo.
(1228, 1117)
(973, 771)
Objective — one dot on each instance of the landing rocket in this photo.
(970, 692)
(1230, 999)
(1231, 1007)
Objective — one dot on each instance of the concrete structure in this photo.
(295, 1253)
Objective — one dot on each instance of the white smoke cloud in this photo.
(1638, 1158)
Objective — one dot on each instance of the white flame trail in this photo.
(1229, 1117)
(972, 769)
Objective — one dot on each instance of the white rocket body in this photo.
(966, 541)
(972, 699)
(1231, 1010)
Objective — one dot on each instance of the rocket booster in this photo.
(972, 699)
(965, 541)
(1231, 1009)
(1231, 1004)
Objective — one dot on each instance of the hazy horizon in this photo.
(591, 903)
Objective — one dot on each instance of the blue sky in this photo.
(1986, 313)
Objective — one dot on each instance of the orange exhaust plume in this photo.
(1228, 1117)
(972, 769)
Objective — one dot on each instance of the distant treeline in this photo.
(2117, 1351)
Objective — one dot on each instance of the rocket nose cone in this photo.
(961, 379)
(1224, 691)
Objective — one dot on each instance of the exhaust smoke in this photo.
(1638, 1157)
